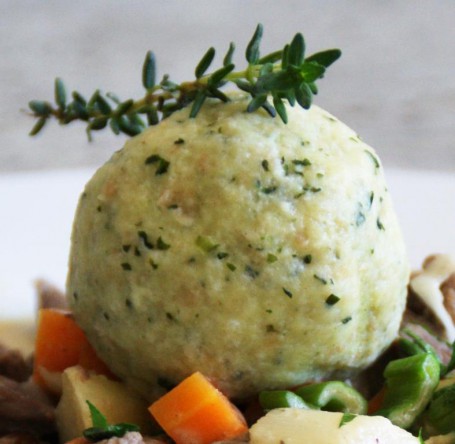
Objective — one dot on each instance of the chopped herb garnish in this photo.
(304, 162)
(266, 190)
(287, 292)
(179, 141)
(374, 159)
(380, 224)
(162, 166)
(307, 189)
(161, 245)
(320, 279)
(126, 266)
(307, 259)
(101, 429)
(371, 198)
(126, 248)
(222, 255)
(231, 267)
(204, 243)
(332, 299)
(346, 320)
(145, 239)
(269, 190)
(271, 258)
(265, 165)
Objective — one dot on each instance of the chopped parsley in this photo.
(206, 244)
(375, 160)
(162, 164)
(332, 299)
(145, 239)
(161, 245)
(271, 258)
(320, 279)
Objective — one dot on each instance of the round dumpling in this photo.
(259, 253)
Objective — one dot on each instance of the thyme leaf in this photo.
(284, 75)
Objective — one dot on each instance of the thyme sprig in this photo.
(282, 76)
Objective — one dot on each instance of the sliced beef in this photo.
(442, 349)
(23, 408)
(19, 438)
(14, 365)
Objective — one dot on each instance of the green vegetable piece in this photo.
(334, 396)
(410, 383)
(413, 344)
(440, 416)
(275, 399)
(102, 429)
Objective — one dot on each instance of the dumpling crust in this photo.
(262, 254)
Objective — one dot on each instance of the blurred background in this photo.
(395, 83)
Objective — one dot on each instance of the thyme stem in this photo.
(283, 75)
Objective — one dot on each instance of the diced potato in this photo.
(298, 426)
(113, 399)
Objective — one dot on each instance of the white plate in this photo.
(38, 208)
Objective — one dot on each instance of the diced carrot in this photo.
(89, 360)
(61, 343)
(196, 412)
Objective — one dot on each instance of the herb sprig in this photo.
(282, 76)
